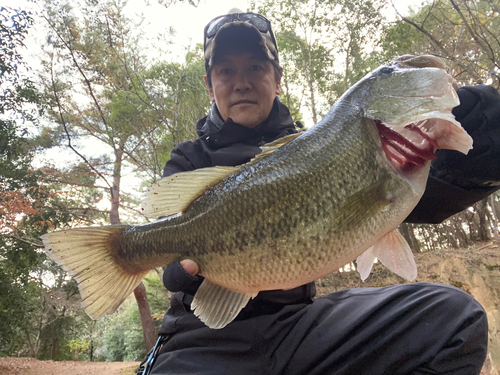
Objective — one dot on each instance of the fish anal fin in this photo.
(393, 251)
(173, 194)
(217, 306)
(87, 255)
(364, 263)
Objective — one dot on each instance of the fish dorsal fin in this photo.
(217, 306)
(270, 147)
(173, 194)
(392, 251)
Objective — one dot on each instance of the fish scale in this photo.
(309, 204)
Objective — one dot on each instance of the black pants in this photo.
(415, 329)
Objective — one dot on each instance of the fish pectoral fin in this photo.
(217, 306)
(87, 255)
(173, 194)
(364, 263)
(364, 204)
(394, 252)
(270, 147)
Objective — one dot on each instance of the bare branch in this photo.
(485, 46)
(29, 241)
(440, 46)
(64, 124)
(77, 65)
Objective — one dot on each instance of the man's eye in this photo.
(226, 71)
(255, 68)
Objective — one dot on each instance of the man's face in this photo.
(244, 88)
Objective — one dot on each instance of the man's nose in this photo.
(242, 82)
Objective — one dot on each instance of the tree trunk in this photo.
(494, 214)
(148, 328)
(347, 67)
(114, 213)
(31, 351)
(406, 230)
(91, 350)
(458, 231)
(482, 211)
(55, 350)
(313, 101)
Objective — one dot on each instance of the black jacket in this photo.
(448, 191)
(228, 143)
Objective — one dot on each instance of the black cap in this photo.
(239, 28)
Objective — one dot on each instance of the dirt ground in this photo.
(31, 366)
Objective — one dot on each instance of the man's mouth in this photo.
(244, 101)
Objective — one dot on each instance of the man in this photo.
(404, 329)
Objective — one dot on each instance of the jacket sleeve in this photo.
(457, 181)
(186, 156)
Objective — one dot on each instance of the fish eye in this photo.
(386, 70)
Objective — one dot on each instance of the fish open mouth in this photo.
(410, 105)
(407, 153)
(410, 146)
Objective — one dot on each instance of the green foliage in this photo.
(323, 46)
(16, 88)
(466, 34)
(122, 338)
(171, 97)
(19, 190)
(77, 347)
(13, 311)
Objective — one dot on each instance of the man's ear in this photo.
(210, 90)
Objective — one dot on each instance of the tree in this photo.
(102, 90)
(465, 33)
(176, 96)
(97, 59)
(17, 90)
(313, 34)
(20, 193)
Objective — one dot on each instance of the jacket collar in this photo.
(223, 133)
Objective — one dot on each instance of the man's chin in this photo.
(248, 123)
(247, 119)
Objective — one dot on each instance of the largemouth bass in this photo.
(306, 206)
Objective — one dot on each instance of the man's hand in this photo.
(190, 266)
(181, 276)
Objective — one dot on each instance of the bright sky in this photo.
(189, 21)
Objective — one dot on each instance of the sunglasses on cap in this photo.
(258, 21)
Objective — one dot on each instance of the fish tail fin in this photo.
(87, 255)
